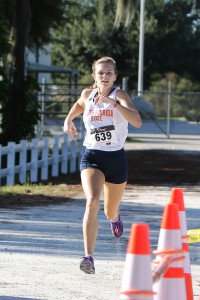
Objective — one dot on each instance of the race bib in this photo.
(104, 136)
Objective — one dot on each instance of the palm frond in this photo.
(125, 11)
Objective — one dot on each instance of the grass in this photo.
(133, 140)
(55, 191)
(61, 190)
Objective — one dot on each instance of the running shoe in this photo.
(87, 265)
(117, 227)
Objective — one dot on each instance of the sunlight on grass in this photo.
(133, 140)
(63, 190)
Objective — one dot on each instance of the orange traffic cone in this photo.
(177, 197)
(172, 284)
(137, 278)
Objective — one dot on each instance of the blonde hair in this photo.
(105, 59)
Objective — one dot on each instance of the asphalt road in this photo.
(161, 127)
(41, 246)
(176, 127)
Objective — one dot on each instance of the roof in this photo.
(38, 68)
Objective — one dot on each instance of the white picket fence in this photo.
(38, 159)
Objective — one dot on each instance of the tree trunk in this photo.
(17, 101)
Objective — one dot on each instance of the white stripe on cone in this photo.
(170, 289)
(169, 239)
(137, 281)
(186, 262)
(170, 242)
(177, 197)
(137, 276)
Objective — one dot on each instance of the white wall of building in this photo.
(43, 57)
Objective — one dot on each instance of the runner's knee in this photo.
(92, 205)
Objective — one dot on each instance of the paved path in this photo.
(175, 127)
(41, 246)
(175, 142)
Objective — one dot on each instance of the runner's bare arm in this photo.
(127, 109)
(76, 110)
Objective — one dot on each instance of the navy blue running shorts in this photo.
(113, 164)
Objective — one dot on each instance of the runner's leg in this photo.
(112, 197)
(92, 182)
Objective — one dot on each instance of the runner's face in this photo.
(105, 75)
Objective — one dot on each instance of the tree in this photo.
(172, 39)
(174, 43)
(89, 34)
(13, 122)
(27, 26)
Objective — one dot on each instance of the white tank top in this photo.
(106, 128)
